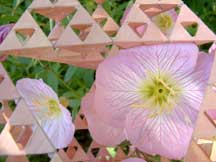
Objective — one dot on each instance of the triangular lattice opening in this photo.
(191, 28)
(138, 28)
(82, 31)
(24, 35)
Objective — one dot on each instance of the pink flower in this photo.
(55, 119)
(4, 30)
(134, 160)
(153, 93)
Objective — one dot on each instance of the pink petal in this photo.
(134, 160)
(34, 90)
(165, 135)
(212, 49)
(102, 133)
(61, 130)
(36, 95)
(194, 82)
(4, 30)
(118, 78)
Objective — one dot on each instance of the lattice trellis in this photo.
(87, 48)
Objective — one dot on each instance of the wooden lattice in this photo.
(87, 49)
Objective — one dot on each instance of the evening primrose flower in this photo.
(54, 118)
(154, 94)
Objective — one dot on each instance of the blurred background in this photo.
(71, 82)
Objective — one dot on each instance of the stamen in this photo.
(166, 86)
(159, 92)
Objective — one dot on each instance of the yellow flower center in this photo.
(164, 21)
(53, 107)
(159, 93)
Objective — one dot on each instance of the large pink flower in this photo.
(154, 93)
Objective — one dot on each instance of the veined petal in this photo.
(101, 132)
(30, 88)
(176, 58)
(37, 94)
(194, 83)
(60, 130)
(165, 135)
(134, 160)
(55, 119)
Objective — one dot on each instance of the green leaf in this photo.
(52, 80)
(69, 74)
(16, 3)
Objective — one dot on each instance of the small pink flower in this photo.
(153, 93)
(4, 30)
(134, 160)
(55, 119)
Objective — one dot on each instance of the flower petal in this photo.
(35, 93)
(212, 49)
(163, 135)
(134, 160)
(60, 130)
(4, 30)
(102, 133)
(118, 78)
(194, 83)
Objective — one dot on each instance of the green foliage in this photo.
(69, 81)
